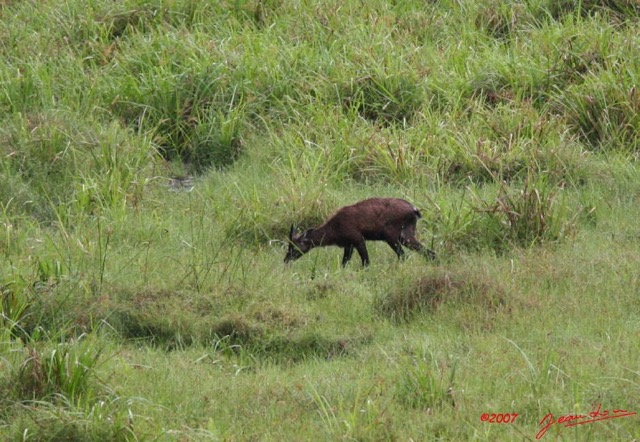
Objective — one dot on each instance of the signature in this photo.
(572, 420)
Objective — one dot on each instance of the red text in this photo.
(499, 418)
(572, 420)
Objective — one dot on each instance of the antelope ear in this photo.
(291, 232)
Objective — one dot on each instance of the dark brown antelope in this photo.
(392, 220)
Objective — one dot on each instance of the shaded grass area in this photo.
(264, 331)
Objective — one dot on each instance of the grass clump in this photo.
(426, 384)
(194, 118)
(67, 370)
(45, 422)
(14, 309)
(529, 215)
(47, 366)
(428, 293)
(383, 99)
(605, 115)
(615, 10)
(521, 214)
(60, 166)
(490, 88)
(499, 20)
(117, 24)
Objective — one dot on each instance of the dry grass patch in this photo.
(430, 292)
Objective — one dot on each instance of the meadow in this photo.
(155, 153)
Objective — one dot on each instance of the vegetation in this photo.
(154, 153)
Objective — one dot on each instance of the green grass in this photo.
(154, 154)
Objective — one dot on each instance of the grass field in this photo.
(154, 154)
